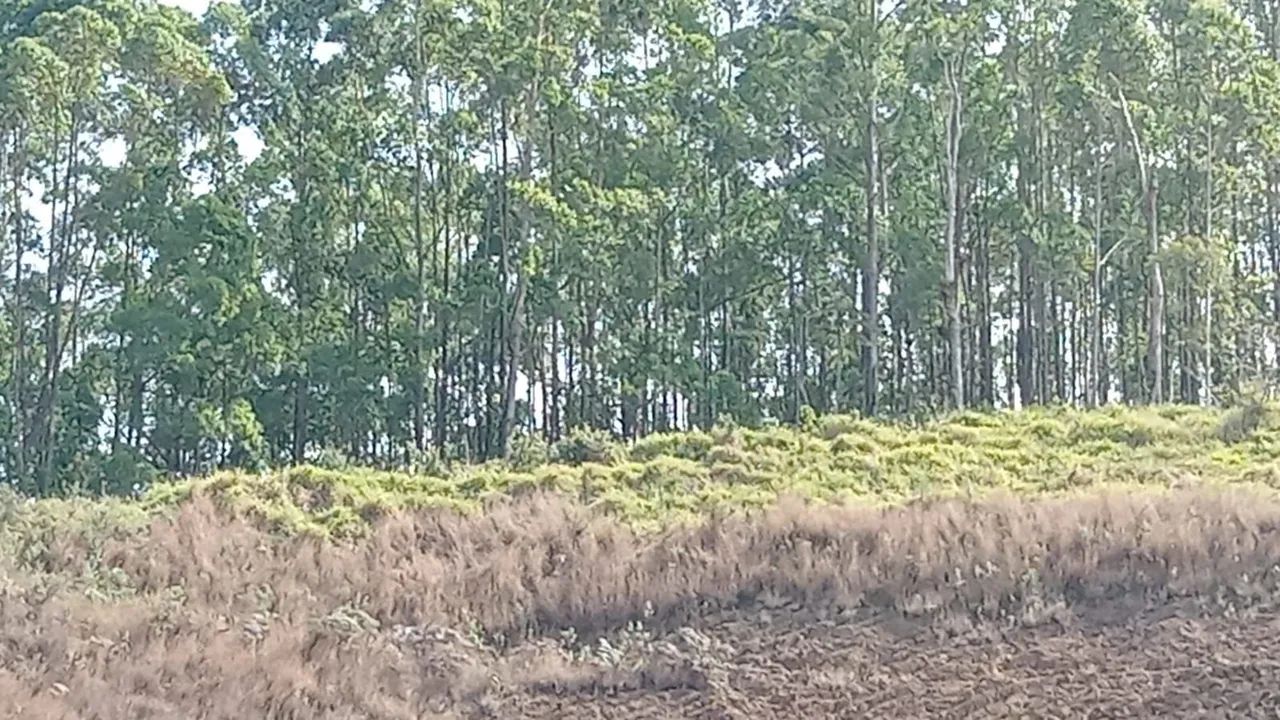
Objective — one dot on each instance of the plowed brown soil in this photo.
(1156, 667)
(1109, 605)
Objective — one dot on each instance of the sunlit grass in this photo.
(673, 477)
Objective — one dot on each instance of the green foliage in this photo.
(68, 537)
(673, 478)
(125, 472)
(325, 502)
(692, 445)
(528, 451)
(1242, 421)
(334, 459)
(423, 236)
(586, 445)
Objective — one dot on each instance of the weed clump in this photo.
(587, 445)
(691, 445)
(528, 451)
(1242, 421)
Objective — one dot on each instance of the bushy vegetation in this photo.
(249, 587)
(677, 242)
(437, 615)
(677, 477)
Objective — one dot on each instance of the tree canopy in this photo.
(407, 230)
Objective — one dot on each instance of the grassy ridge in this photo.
(541, 602)
(171, 603)
(672, 477)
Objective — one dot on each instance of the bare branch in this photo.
(1143, 171)
(1110, 251)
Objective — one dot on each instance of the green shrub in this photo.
(728, 454)
(1240, 423)
(665, 477)
(853, 443)
(670, 474)
(584, 445)
(127, 472)
(692, 445)
(10, 502)
(833, 426)
(528, 451)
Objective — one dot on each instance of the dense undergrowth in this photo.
(345, 592)
(433, 614)
(676, 477)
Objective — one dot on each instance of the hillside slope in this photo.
(975, 567)
(676, 477)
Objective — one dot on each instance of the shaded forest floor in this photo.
(1159, 602)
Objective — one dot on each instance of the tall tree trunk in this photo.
(1095, 392)
(556, 322)
(1156, 319)
(517, 320)
(951, 292)
(1206, 378)
(986, 355)
(514, 352)
(870, 358)
(1025, 360)
(870, 350)
(1094, 382)
(18, 369)
(419, 310)
(1273, 241)
(300, 227)
(1156, 297)
(444, 362)
(61, 231)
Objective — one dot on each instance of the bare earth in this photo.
(1146, 667)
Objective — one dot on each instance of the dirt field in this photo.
(784, 668)
(1110, 605)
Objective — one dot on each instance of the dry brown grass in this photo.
(434, 614)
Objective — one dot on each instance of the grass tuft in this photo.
(670, 477)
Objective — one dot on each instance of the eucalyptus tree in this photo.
(474, 221)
